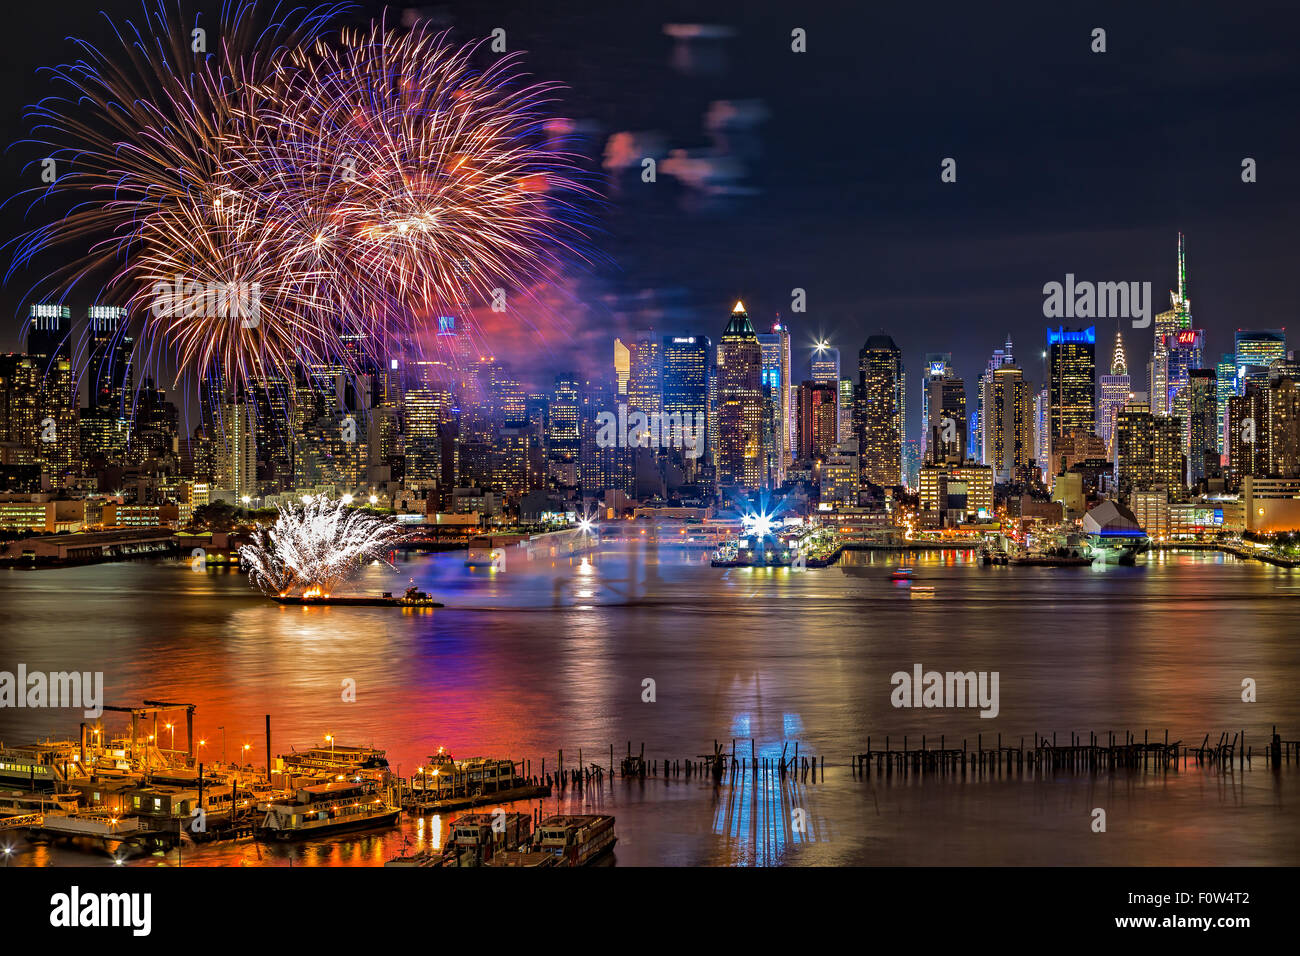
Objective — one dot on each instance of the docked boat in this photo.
(340, 763)
(477, 837)
(448, 784)
(575, 839)
(328, 808)
(41, 766)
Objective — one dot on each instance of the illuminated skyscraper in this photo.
(740, 404)
(1001, 357)
(1113, 393)
(847, 394)
(58, 435)
(818, 416)
(1071, 383)
(943, 411)
(563, 438)
(645, 374)
(1148, 451)
(777, 384)
(687, 367)
(1201, 401)
(622, 367)
(1259, 347)
(109, 367)
(1283, 409)
(1167, 325)
(1008, 425)
(879, 411)
(825, 363)
(1225, 387)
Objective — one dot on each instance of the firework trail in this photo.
(261, 204)
(313, 547)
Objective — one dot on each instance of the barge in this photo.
(413, 598)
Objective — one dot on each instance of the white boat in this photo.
(328, 808)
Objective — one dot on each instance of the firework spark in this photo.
(337, 191)
(314, 547)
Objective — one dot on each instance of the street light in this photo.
(172, 728)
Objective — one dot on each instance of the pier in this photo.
(1097, 754)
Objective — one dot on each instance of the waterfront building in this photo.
(1271, 505)
(1151, 509)
(955, 492)
(839, 477)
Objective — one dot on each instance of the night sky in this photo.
(821, 170)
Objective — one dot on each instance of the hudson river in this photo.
(551, 655)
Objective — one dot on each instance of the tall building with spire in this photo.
(1167, 326)
(1113, 393)
(1001, 357)
(740, 404)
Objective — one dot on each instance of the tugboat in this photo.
(575, 840)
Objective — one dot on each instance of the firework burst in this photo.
(331, 190)
(314, 547)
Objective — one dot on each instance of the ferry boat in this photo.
(447, 783)
(338, 762)
(328, 808)
(575, 839)
(41, 766)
